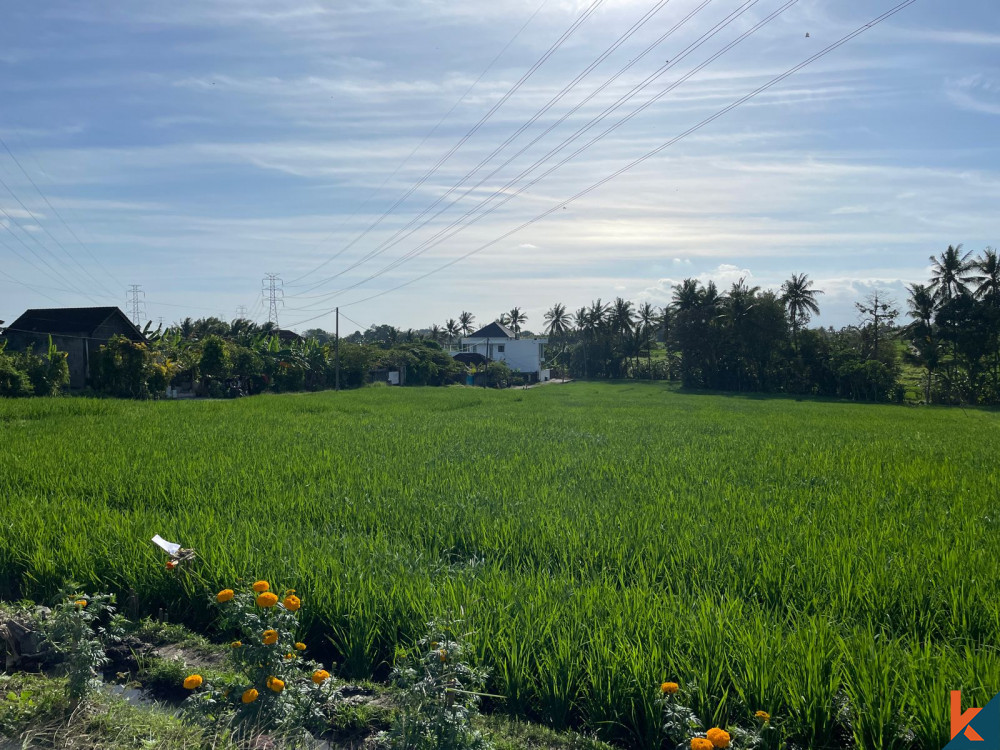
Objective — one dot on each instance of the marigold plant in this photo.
(272, 690)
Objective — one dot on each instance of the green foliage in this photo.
(214, 361)
(598, 538)
(14, 382)
(78, 628)
(121, 368)
(276, 686)
(441, 694)
(29, 374)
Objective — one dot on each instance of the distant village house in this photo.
(498, 343)
(78, 331)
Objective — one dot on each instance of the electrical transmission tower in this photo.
(274, 295)
(241, 312)
(136, 307)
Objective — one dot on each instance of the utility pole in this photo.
(336, 347)
(274, 294)
(136, 307)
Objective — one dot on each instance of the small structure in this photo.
(78, 331)
(498, 343)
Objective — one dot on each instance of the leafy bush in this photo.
(441, 696)
(78, 628)
(14, 383)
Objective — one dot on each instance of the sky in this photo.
(406, 160)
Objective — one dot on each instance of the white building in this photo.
(500, 344)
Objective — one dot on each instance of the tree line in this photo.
(744, 339)
(749, 339)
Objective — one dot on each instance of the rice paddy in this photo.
(833, 564)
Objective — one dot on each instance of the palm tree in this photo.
(921, 332)
(987, 280)
(667, 326)
(647, 320)
(987, 277)
(581, 321)
(686, 296)
(452, 328)
(557, 320)
(515, 318)
(950, 273)
(622, 321)
(799, 301)
(435, 333)
(597, 315)
(622, 316)
(466, 320)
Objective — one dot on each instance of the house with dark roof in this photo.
(78, 331)
(498, 343)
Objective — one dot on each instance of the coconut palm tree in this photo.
(922, 334)
(466, 320)
(686, 296)
(557, 320)
(986, 276)
(799, 301)
(452, 328)
(950, 273)
(647, 322)
(514, 319)
(581, 322)
(597, 314)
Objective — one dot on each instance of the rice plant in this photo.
(830, 564)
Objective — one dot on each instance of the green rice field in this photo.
(837, 565)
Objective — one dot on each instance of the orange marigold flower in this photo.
(669, 688)
(193, 681)
(700, 743)
(270, 637)
(81, 602)
(249, 696)
(443, 655)
(225, 595)
(267, 600)
(300, 647)
(273, 683)
(261, 586)
(289, 655)
(718, 737)
(292, 603)
(320, 676)
(236, 644)
(763, 716)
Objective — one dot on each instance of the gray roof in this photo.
(493, 331)
(72, 321)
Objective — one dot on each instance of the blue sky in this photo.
(193, 146)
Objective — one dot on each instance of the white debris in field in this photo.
(169, 547)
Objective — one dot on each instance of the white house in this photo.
(500, 344)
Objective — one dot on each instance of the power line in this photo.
(396, 238)
(11, 220)
(648, 155)
(475, 128)
(53, 238)
(443, 234)
(420, 145)
(56, 212)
